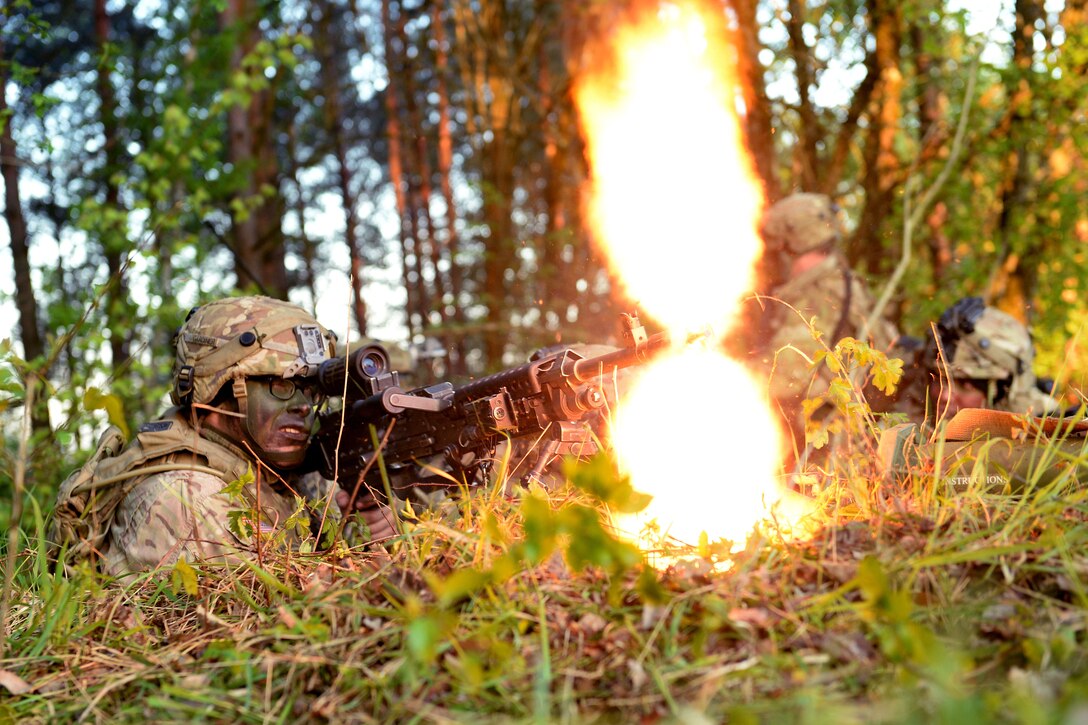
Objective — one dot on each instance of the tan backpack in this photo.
(88, 498)
(82, 514)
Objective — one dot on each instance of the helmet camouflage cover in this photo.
(239, 337)
(802, 222)
(984, 343)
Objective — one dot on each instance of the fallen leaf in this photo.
(287, 617)
(651, 615)
(591, 623)
(637, 673)
(13, 683)
(753, 616)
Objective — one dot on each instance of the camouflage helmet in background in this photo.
(801, 223)
(985, 344)
(235, 338)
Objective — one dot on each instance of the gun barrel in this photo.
(589, 368)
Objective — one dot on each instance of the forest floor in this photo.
(907, 605)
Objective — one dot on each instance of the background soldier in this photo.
(243, 416)
(805, 270)
(990, 356)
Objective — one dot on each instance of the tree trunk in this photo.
(257, 235)
(881, 165)
(415, 212)
(334, 123)
(550, 271)
(29, 324)
(456, 348)
(805, 156)
(396, 169)
(114, 236)
(423, 192)
(306, 245)
(758, 125)
(1012, 284)
(491, 73)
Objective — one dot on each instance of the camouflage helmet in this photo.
(234, 338)
(985, 344)
(801, 223)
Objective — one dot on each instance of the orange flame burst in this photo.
(675, 204)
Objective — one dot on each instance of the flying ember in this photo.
(675, 204)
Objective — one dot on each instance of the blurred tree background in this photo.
(418, 166)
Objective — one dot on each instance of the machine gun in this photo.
(553, 398)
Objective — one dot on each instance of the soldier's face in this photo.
(279, 420)
(958, 395)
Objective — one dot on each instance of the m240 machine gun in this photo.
(554, 398)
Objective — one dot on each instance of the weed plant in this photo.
(910, 602)
(919, 606)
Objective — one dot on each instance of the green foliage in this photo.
(235, 488)
(600, 478)
(11, 384)
(930, 608)
(911, 615)
(854, 364)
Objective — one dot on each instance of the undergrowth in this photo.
(960, 607)
(911, 601)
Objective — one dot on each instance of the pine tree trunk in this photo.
(29, 317)
(881, 164)
(806, 160)
(1012, 283)
(306, 245)
(456, 347)
(396, 169)
(113, 238)
(257, 236)
(331, 52)
(757, 123)
(432, 299)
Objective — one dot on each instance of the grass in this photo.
(926, 607)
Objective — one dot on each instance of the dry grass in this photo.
(924, 608)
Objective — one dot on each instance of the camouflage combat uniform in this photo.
(826, 298)
(186, 512)
(838, 303)
(163, 495)
(985, 346)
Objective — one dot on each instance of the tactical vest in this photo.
(89, 497)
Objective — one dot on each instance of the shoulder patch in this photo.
(156, 426)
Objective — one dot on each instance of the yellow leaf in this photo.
(95, 399)
(185, 575)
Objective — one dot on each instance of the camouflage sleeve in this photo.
(790, 372)
(185, 512)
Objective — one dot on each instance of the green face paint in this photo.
(279, 419)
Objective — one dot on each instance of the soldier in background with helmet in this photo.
(989, 356)
(808, 272)
(242, 416)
